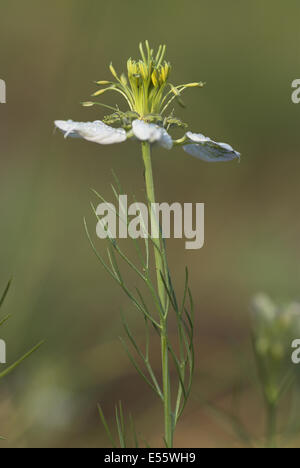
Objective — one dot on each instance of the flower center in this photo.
(145, 88)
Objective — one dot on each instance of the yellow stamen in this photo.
(123, 79)
(113, 71)
(154, 78)
(194, 85)
(143, 70)
(100, 91)
(88, 104)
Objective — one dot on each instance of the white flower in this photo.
(208, 150)
(197, 145)
(153, 133)
(97, 132)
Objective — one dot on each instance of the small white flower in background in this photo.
(148, 94)
(263, 308)
(274, 327)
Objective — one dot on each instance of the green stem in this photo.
(271, 425)
(160, 269)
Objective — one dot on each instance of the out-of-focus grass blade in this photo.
(4, 319)
(9, 369)
(3, 297)
(135, 437)
(106, 427)
(232, 422)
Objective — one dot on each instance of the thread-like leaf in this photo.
(9, 369)
(106, 427)
(143, 358)
(136, 366)
(121, 425)
(133, 430)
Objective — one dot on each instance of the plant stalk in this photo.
(161, 267)
(271, 425)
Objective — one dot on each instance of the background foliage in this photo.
(50, 55)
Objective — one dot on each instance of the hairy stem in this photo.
(160, 270)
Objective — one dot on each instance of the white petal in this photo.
(153, 133)
(97, 132)
(208, 150)
(67, 127)
(197, 137)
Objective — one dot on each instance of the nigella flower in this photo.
(149, 94)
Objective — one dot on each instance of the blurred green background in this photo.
(51, 52)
